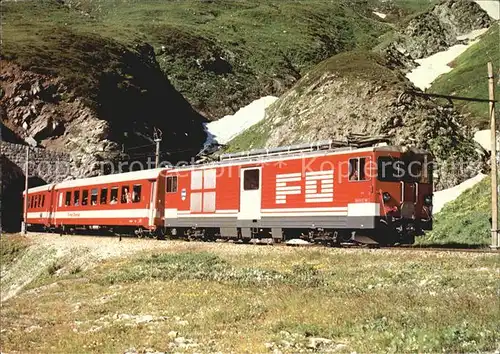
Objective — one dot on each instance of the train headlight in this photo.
(428, 200)
(386, 197)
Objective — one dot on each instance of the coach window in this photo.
(114, 195)
(172, 184)
(357, 169)
(251, 180)
(67, 202)
(76, 198)
(126, 196)
(43, 201)
(85, 197)
(104, 195)
(136, 193)
(93, 196)
(32, 202)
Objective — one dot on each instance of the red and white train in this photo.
(377, 194)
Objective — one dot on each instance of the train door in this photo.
(55, 199)
(408, 198)
(160, 206)
(152, 201)
(250, 193)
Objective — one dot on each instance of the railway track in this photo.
(305, 244)
(443, 249)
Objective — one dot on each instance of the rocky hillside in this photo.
(116, 104)
(439, 28)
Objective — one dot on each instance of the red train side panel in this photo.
(134, 199)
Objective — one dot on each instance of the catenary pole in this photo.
(494, 169)
(157, 155)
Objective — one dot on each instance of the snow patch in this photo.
(228, 127)
(441, 198)
(492, 7)
(447, 195)
(379, 14)
(472, 35)
(483, 138)
(437, 64)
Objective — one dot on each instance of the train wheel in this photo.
(160, 233)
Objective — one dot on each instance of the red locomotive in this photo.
(379, 194)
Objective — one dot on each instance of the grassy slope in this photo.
(465, 220)
(233, 298)
(468, 77)
(264, 42)
(11, 247)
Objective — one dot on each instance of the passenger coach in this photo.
(132, 201)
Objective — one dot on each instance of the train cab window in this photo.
(76, 198)
(357, 169)
(67, 202)
(172, 184)
(126, 196)
(136, 193)
(114, 195)
(93, 196)
(251, 179)
(104, 195)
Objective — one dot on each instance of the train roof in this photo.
(296, 151)
(118, 177)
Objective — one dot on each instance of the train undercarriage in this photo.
(387, 234)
